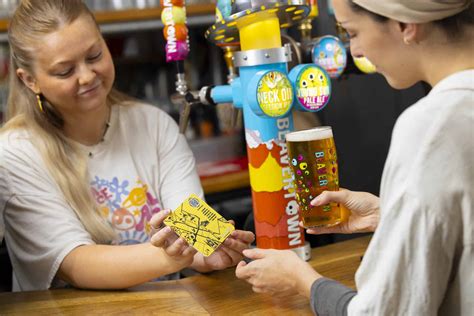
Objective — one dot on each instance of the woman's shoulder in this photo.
(445, 112)
(16, 140)
(431, 139)
(18, 155)
(17, 148)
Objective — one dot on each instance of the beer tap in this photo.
(177, 49)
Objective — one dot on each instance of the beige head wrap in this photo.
(415, 11)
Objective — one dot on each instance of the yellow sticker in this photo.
(200, 225)
(275, 94)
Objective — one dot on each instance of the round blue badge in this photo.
(329, 53)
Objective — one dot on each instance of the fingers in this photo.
(242, 271)
(177, 248)
(331, 196)
(255, 253)
(233, 256)
(237, 255)
(260, 290)
(189, 251)
(245, 236)
(160, 238)
(325, 230)
(236, 245)
(167, 239)
(157, 220)
(238, 242)
(240, 265)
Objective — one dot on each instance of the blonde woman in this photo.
(420, 260)
(85, 172)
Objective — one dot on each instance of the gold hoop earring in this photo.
(406, 41)
(40, 103)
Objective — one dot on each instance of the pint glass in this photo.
(313, 161)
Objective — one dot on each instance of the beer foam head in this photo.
(322, 132)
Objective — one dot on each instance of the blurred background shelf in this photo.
(149, 13)
(131, 20)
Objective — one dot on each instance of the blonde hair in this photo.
(65, 162)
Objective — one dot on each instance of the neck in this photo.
(442, 59)
(89, 128)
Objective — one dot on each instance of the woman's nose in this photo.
(356, 51)
(86, 75)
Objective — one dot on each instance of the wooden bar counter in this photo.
(218, 293)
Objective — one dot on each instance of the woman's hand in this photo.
(227, 255)
(277, 272)
(364, 211)
(164, 237)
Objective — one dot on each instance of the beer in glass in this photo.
(313, 161)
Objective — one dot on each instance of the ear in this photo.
(410, 32)
(28, 80)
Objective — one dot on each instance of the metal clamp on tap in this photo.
(205, 95)
(262, 56)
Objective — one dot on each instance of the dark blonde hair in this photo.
(65, 162)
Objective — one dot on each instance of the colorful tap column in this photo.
(267, 120)
(267, 95)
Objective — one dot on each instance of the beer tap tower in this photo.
(266, 93)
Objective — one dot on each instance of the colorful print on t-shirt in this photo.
(127, 207)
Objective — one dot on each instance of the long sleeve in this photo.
(330, 298)
(419, 261)
(407, 267)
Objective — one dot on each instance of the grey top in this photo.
(330, 298)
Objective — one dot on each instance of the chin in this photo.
(93, 105)
(401, 83)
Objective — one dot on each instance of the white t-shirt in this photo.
(142, 166)
(420, 260)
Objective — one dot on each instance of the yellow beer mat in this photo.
(200, 225)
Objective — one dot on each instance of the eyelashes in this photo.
(66, 73)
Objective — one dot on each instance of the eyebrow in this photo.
(62, 62)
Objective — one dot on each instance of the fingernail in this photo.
(166, 212)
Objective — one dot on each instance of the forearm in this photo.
(116, 267)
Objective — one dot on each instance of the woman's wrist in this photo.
(305, 279)
(199, 264)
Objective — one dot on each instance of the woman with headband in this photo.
(420, 259)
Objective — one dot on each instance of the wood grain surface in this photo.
(218, 293)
